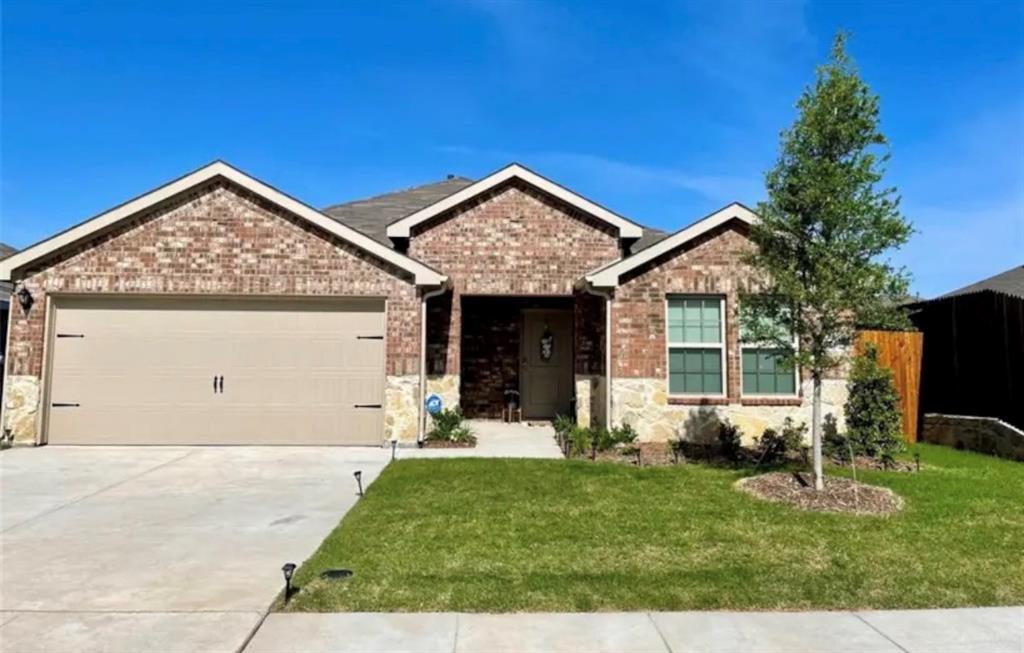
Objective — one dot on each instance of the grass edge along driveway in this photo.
(489, 535)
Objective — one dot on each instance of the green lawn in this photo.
(532, 535)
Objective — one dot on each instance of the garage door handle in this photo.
(367, 406)
(58, 404)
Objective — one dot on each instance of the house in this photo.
(218, 309)
(972, 370)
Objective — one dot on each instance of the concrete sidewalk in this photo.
(987, 630)
(497, 439)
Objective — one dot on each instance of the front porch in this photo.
(545, 354)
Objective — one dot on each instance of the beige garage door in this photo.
(216, 371)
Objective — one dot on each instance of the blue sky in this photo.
(662, 112)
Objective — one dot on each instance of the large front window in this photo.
(696, 345)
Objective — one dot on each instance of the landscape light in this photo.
(359, 481)
(288, 570)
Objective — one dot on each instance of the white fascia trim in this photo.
(627, 229)
(608, 276)
(424, 276)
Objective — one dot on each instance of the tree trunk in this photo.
(819, 477)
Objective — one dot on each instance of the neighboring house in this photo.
(217, 309)
(5, 305)
(973, 361)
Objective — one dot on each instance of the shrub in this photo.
(623, 435)
(729, 440)
(873, 422)
(834, 444)
(581, 440)
(774, 446)
(563, 424)
(448, 427)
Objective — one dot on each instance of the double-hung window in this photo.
(762, 368)
(696, 345)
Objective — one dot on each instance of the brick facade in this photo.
(218, 239)
(512, 241)
(709, 265)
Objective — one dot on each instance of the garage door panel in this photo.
(143, 371)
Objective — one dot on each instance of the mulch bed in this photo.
(447, 444)
(863, 462)
(840, 494)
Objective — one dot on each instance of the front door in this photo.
(546, 355)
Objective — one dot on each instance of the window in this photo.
(763, 372)
(696, 346)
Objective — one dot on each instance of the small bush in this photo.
(834, 444)
(581, 440)
(448, 427)
(774, 446)
(563, 424)
(623, 435)
(730, 441)
(873, 421)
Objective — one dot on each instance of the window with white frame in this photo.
(762, 368)
(696, 345)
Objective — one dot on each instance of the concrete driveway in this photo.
(176, 548)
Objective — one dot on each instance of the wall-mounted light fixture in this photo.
(25, 298)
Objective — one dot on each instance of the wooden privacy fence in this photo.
(900, 351)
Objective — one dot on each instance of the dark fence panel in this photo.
(973, 356)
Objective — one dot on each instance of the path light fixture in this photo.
(917, 460)
(359, 481)
(394, 444)
(7, 440)
(288, 570)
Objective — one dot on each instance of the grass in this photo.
(479, 535)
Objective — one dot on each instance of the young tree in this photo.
(823, 231)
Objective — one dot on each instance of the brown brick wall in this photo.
(513, 240)
(219, 239)
(709, 265)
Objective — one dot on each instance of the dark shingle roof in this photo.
(1010, 282)
(650, 237)
(373, 214)
(6, 250)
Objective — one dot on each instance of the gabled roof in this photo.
(422, 274)
(373, 214)
(1010, 282)
(609, 275)
(627, 228)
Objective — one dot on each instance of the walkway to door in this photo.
(499, 440)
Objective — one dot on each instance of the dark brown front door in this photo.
(546, 363)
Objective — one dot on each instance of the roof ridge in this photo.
(398, 191)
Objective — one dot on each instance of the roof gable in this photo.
(422, 274)
(609, 275)
(402, 227)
